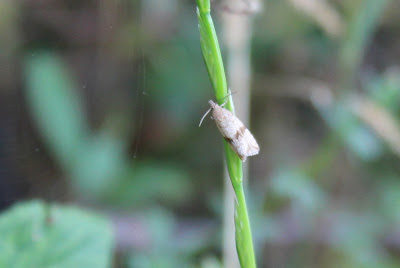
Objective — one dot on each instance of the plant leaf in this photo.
(39, 235)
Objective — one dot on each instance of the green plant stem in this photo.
(242, 224)
(211, 53)
(213, 60)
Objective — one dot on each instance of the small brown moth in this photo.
(233, 131)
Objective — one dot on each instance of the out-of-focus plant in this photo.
(352, 234)
(38, 234)
(360, 27)
(339, 114)
(213, 60)
(170, 246)
(97, 163)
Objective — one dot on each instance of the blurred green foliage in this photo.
(37, 234)
(97, 163)
(328, 199)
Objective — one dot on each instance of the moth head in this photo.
(212, 104)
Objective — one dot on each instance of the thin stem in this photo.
(211, 52)
(237, 32)
(243, 230)
(213, 60)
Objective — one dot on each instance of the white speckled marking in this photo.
(234, 132)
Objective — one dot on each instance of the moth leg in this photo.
(229, 94)
(227, 97)
(223, 104)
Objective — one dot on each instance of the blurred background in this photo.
(100, 105)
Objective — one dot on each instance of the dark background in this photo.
(100, 104)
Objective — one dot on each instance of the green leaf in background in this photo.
(55, 105)
(39, 235)
(298, 187)
(384, 89)
(360, 30)
(98, 165)
(358, 138)
(91, 161)
(150, 181)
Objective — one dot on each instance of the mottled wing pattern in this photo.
(245, 143)
(235, 133)
(247, 138)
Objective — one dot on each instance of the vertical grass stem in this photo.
(213, 60)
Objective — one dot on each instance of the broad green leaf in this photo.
(91, 161)
(151, 181)
(39, 235)
(55, 106)
(98, 165)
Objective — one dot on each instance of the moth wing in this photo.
(229, 130)
(235, 133)
(253, 147)
(226, 122)
(246, 143)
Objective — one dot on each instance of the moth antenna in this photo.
(223, 104)
(204, 116)
(230, 93)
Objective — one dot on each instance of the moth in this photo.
(234, 132)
